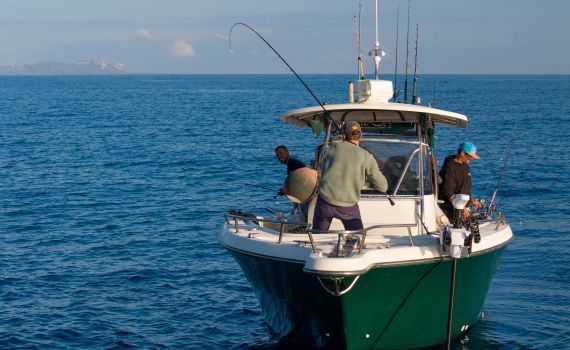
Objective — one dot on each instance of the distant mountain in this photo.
(59, 68)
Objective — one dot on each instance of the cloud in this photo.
(221, 36)
(143, 34)
(182, 49)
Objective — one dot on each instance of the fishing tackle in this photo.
(407, 54)
(509, 149)
(360, 67)
(415, 98)
(396, 65)
(327, 115)
(517, 177)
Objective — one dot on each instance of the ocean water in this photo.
(113, 188)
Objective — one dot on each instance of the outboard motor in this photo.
(455, 239)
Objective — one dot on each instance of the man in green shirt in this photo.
(344, 169)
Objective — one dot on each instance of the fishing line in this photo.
(263, 187)
(530, 166)
(327, 115)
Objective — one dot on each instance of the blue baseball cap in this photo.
(470, 149)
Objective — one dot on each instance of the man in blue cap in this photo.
(456, 178)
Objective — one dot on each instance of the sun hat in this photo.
(470, 149)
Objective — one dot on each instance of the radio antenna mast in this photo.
(376, 52)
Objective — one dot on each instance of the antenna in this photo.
(396, 66)
(407, 52)
(377, 43)
(415, 98)
(376, 52)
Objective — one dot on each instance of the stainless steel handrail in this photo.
(263, 219)
(362, 232)
(234, 217)
(281, 222)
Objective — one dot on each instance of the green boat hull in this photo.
(388, 307)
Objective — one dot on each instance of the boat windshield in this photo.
(399, 162)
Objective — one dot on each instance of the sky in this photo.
(314, 36)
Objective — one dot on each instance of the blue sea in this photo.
(113, 189)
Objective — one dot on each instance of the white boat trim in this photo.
(388, 111)
(380, 250)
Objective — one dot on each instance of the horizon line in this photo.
(276, 74)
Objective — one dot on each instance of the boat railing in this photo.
(257, 219)
(234, 218)
(362, 233)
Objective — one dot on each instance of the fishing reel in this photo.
(481, 211)
(472, 225)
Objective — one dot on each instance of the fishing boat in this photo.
(411, 278)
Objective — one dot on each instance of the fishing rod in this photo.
(509, 149)
(357, 22)
(357, 48)
(327, 115)
(415, 98)
(407, 54)
(392, 203)
(526, 168)
(396, 66)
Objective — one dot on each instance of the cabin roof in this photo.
(388, 111)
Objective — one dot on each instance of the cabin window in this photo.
(399, 162)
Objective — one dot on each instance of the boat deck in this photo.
(324, 252)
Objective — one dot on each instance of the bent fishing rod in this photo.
(326, 112)
(327, 115)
